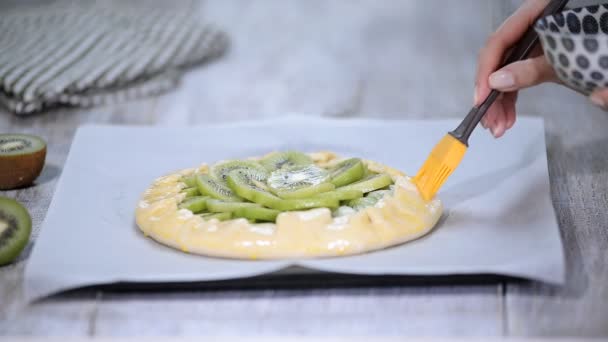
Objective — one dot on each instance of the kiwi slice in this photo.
(370, 183)
(342, 194)
(218, 206)
(191, 192)
(220, 171)
(190, 181)
(213, 188)
(195, 204)
(219, 216)
(244, 184)
(369, 200)
(277, 160)
(347, 172)
(22, 158)
(256, 191)
(257, 213)
(15, 229)
(299, 181)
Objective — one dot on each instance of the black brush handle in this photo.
(520, 51)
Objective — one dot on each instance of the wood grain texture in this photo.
(386, 59)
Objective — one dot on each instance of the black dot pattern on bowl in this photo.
(591, 85)
(593, 9)
(603, 61)
(550, 57)
(568, 44)
(596, 75)
(590, 25)
(574, 25)
(553, 27)
(582, 61)
(604, 22)
(563, 60)
(551, 42)
(578, 51)
(590, 44)
(559, 19)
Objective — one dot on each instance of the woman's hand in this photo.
(518, 75)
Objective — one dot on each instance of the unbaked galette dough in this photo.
(395, 219)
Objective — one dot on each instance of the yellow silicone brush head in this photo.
(442, 161)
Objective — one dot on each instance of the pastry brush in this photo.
(448, 153)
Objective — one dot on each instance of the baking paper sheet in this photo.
(498, 213)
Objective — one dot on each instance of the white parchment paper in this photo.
(499, 217)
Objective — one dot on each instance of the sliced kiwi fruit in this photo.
(214, 188)
(370, 183)
(196, 204)
(255, 191)
(257, 214)
(341, 194)
(22, 158)
(246, 186)
(15, 229)
(190, 181)
(218, 216)
(220, 171)
(191, 192)
(369, 200)
(278, 160)
(347, 172)
(299, 181)
(219, 206)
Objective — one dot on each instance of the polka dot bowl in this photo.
(575, 42)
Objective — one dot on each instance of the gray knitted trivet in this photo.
(84, 55)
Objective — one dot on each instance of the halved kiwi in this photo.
(218, 216)
(22, 158)
(341, 194)
(191, 192)
(15, 229)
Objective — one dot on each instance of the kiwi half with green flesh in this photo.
(257, 213)
(278, 160)
(347, 172)
(220, 171)
(255, 191)
(191, 192)
(15, 229)
(219, 206)
(195, 204)
(370, 183)
(299, 181)
(219, 216)
(22, 158)
(214, 188)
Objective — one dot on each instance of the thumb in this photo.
(522, 74)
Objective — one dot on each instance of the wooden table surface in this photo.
(339, 58)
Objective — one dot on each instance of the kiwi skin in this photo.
(16, 235)
(20, 170)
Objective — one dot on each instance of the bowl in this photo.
(575, 42)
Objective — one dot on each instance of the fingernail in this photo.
(597, 100)
(499, 130)
(501, 80)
